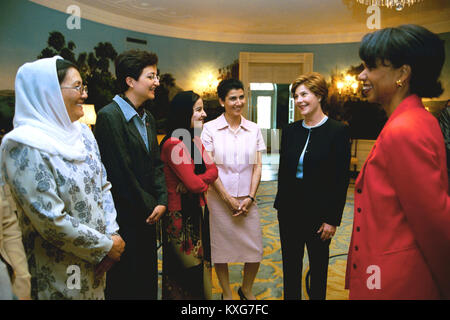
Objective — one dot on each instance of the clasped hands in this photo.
(237, 207)
(112, 257)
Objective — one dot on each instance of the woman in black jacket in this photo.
(313, 179)
(444, 122)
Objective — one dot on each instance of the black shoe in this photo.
(241, 294)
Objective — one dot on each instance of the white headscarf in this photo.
(41, 120)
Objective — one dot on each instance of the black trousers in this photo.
(135, 276)
(294, 235)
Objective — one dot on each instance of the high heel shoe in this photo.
(241, 294)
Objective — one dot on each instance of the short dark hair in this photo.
(226, 85)
(62, 66)
(315, 83)
(130, 64)
(411, 45)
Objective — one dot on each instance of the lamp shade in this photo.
(90, 116)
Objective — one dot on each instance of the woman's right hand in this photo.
(234, 205)
(181, 188)
(117, 248)
(104, 266)
(230, 201)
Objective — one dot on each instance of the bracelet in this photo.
(253, 199)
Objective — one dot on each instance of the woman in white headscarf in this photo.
(52, 164)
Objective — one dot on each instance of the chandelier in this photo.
(397, 4)
(346, 84)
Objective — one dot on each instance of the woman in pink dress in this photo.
(235, 144)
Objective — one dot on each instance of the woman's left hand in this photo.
(327, 230)
(244, 206)
(156, 214)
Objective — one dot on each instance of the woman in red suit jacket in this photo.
(400, 246)
(188, 171)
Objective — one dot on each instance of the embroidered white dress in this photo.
(67, 217)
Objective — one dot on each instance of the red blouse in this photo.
(179, 167)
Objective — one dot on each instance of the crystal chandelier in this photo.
(397, 4)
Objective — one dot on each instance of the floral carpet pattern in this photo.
(269, 280)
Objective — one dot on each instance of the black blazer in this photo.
(325, 172)
(444, 122)
(137, 177)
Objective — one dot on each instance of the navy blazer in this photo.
(325, 172)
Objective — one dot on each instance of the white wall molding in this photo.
(120, 21)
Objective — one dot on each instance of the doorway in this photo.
(263, 97)
(272, 105)
(273, 68)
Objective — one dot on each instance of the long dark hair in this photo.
(179, 117)
(412, 45)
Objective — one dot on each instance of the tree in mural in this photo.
(230, 71)
(6, 111)
(94, 66)
(56, 45)
(102, 86)
(101, 82)
(164, 93)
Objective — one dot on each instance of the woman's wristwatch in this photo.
(251, 198)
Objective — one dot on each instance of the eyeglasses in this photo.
(154, 77)
(80, 88)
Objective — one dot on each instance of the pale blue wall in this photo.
(24, 29)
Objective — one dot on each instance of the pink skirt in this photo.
(233, 239)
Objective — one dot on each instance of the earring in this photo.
(399, 83)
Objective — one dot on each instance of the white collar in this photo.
(315, 126)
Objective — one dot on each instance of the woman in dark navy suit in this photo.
(313, 179)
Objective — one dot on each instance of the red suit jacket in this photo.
(400, 246)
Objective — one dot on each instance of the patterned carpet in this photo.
(269, 280)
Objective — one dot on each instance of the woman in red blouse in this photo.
(189, 171)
